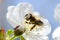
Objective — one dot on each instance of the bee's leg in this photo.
(33, 27)
(27, 22)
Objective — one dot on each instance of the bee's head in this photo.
(28, 16)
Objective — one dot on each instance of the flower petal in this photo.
(16, 16)
(57, 12)
(35, 37)
(56, 34)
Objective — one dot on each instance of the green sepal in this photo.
(22, 38)
(9, 32)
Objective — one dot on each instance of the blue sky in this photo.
(44, 7)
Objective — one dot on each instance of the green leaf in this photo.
(22, 38)
(9, 32)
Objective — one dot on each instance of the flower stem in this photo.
(12, 38)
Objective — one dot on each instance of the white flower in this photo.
(15, 17)
(57, 12)
(56, 34)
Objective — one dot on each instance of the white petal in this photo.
(36, 13)
(16, 16)
(56, 34)
(9, 16)
(57, 12)
(35, 37)
(19, 12)
(46, 27)
(10, 8)
(25, 7)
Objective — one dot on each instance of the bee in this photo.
(33, 20)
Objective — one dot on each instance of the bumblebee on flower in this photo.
(24, 19)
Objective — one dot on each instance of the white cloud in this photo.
(57, 12)
(56, 34)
